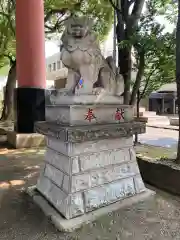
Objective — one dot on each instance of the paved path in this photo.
(159, 137)
(163, 126)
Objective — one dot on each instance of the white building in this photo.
(54, 67)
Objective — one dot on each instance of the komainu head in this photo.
(78, 27)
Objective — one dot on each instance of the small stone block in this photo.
(139, 184)
(74, 149)
(54, 174)
(102, 176)
(109, 193)
(68, 205)
(174, 121)
(66, 164)
(25, 140)
(103, 158)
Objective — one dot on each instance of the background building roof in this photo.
(169, 87)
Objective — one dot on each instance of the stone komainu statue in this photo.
(82, 56)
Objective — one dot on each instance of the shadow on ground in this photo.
(157, 218)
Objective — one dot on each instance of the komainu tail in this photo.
(111, 63)
(118, 77)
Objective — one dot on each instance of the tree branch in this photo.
(144, 90)
(125, 10)
(56, 27)
(115, 6)
(55, 11)
(136, 12)
(146, 85)
(11, 59)
(8, 16)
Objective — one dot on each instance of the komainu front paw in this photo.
(70, 92)
(98, 90)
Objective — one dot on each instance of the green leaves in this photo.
(59, 10)
(158, 47)
(56, 12)
(7, 31)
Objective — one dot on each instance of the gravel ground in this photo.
(157, 218)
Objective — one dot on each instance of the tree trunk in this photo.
(8, 108)
(125, 70)
(139, 77)
(178, 74)
(137, 113)
(126, 25)
(124, 57)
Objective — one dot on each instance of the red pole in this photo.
(30, 43)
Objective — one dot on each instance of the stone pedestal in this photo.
(90, 161)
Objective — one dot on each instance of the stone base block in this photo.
(89, 114)
(70, 225)
(141, 119)
(140, 114)
(80, 202)
(86, 109)
(25, 140)
(174, 121)
(79, 181)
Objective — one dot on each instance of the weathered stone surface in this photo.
(103, 158)
(139, 184)
(81, 182)
(88, 160)
(57, 97)
(66, 184)
(54, 114)
(54, 174)
(77, 114)
(103, 195)
(111, 174)
(65, 163)
(68, 205)
(85, 133)
(75, 165)
(135, 167)
(174, 121)
(59, 146)
(87, 180)
(73, 149)
(102, 176)
(132, 154)
(102, 145)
